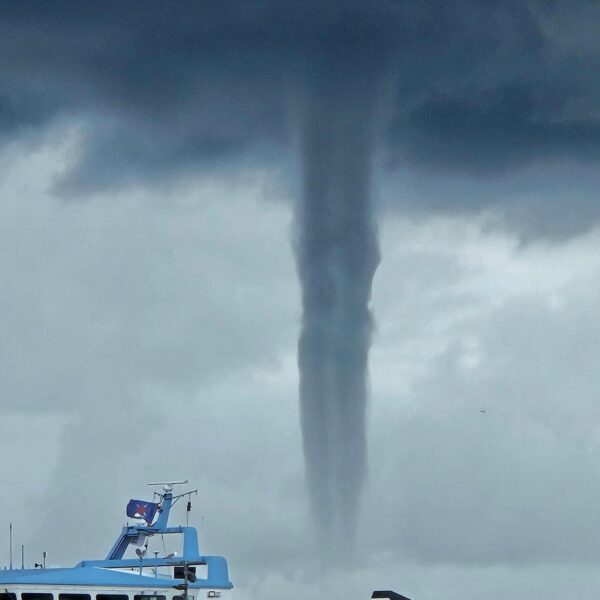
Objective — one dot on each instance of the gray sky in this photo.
(149, 304)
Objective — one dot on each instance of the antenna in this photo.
(168, 485)
(156, 553)
(141, 553)
(10, 535)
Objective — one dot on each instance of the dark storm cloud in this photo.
(157, 86)
(499, 129)
(473, 87)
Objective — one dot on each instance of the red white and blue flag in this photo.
(139, 509)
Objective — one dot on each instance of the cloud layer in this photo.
(483, 90)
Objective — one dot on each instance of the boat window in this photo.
(179, 572)
(36, 596)
(110, 597)
(149, 597)
(189, 597)
(74, 597)
(8, 596)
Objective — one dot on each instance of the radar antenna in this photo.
(168, 493)
(168, 485)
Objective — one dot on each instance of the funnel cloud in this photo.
(337, 254)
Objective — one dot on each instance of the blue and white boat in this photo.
(188, 576)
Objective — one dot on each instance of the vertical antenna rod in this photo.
(10, 536)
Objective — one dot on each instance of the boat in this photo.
(188, 576)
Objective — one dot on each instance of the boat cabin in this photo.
(191, 576)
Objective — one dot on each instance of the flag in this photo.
(140, 509)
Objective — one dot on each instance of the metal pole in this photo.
(22, 556)
(10, 546)
(185, 574)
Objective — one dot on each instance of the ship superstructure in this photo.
(188, 576)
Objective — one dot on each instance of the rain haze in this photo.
(337, 263)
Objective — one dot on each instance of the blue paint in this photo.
(100, 572)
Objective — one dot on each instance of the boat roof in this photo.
(83, 576)
(116, 571)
